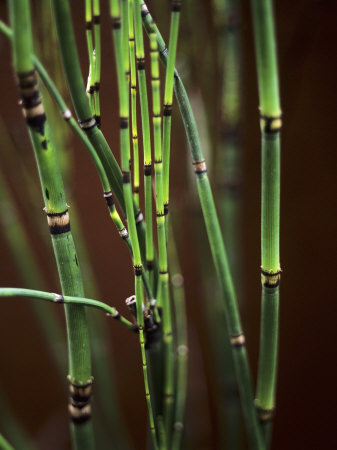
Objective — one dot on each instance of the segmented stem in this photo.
(271, 123)
(118, 36)
(168, 98)
(216, 245)
(140, 57)
(92, 73)
(97, 36)
(58, 221)
(133, 88)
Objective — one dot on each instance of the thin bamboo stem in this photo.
(163, 291)
(217, 248)
(97, 40)
(4, 444)
(140, 57)
(168, 97)
(271, 123)
(88, 124)
(59, 224)
(117, 24)
(7, 292)
(92, 72)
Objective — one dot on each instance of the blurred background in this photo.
(306, 395)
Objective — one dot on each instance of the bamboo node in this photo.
(124, 122)
(147, 170)
(176, 5)
(271, 124)
(178, 426)
(123, 233)
(140, 63)
(199, 167)
(87, 124)
(265, 415)
(66, 114)
(167, 109)
(270, 279)
(238, 340)
(138, 270)
(144, 10)
(115, 22)
(58, 298)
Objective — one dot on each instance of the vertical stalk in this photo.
(59, 226)
(140, 57)
(91, 75)
(133, 88)
(125, 157)
(218, 251)
(270, 121)
(97, 36)
(163, 292)
(168, 98)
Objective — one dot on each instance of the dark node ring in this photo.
(126, 176)
(149, 265)
(176, 5)
(147, 170)
(56, 214)
(144, 10)
(140, 63)
(271, 124)
(238, 340)
(167, 110)
(124, 122)
(115, 22)
(200, 167)
(87, 124)
(271, 279)
(265, 415)
(96, 20)
(138, 270)
(88, 25)
(166, 208)
(161, 214)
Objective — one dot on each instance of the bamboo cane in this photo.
(217, 248)
(271, 123)
(59, 225)
(117, 24)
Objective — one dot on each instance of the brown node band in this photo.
(238, 340)
(91, 90)
(115, 22)
(88, 25)
(176, 5)
(97, 19)
(167, 109)
(265, 415)
(58, 223)
(147, 170)
(80, 392)
(160, 214)
(166, 208)
(123, 233)
(270, 279)
(163, 272)
(200, 167)
(136, 189)
(131, 39)
(140, 63)
(87, 124)
(271, 124)
(97, 85)
(109, 199)
(144, 10)
(138, 270)
(124, 122)
(126, 176)
(149, 264)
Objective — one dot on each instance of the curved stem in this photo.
(66, 299)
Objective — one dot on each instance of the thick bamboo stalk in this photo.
(117, 24)
(271, 123)
(59, 225)
(217, 249)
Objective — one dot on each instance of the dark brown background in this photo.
(306, 397)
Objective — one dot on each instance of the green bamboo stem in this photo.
(133, 88)
(178, 295)
(58, 221)
(140, 57)
(7, 292)
(217, 248)
(4, 444)
(97, 36)
(270, 115)
(118, 35)
(163, 291)
(92, 72)
(88, 124)
(168, 98)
